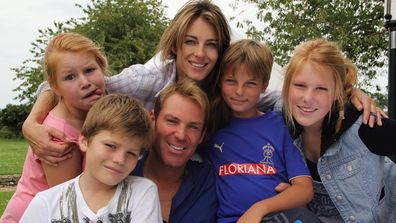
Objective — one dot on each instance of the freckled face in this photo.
(79, 80)
(241, 91)
(198, 54)
(311, 94)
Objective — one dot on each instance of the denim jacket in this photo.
(359, 182)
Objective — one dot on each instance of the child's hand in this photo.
(252, 215)
(281, 187)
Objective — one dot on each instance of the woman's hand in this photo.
(41, 140)
(371, 113)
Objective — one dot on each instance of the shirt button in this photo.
(328, 177)
(352, 218)
(349, 168)
(339, 197)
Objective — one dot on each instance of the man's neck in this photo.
(168, 181)
(156, 170)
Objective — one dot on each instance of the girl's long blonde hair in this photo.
(321, 54)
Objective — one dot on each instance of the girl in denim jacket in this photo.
(353, 178)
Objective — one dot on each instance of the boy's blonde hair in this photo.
(321, 54)
(69, 42)
(189, 89)
(118, 113)
(256, 57)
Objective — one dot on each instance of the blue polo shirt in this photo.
(196, 199)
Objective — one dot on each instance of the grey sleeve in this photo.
(44, 86)
(268, 99)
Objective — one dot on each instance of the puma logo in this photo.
(220, 147)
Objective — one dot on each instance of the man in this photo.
(186, 188)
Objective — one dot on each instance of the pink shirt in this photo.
(33, 178)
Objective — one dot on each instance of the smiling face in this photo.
(311, 95)
(241, 90)
(198, 53)
(110, 157)
(178, 130)
(79, 80)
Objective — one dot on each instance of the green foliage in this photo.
(11, 120)
(356, 25)
(127, 30)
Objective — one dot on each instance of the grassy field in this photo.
(12, 156)
(4, 198)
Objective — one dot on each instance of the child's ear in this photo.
(55, 90)
(152, 116)
(83, 143)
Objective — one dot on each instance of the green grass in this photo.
(12, 156)
(4, 198)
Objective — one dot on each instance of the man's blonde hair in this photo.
(186, 88)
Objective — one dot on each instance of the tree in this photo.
(11, 120)
(127, 30)
(357, 26)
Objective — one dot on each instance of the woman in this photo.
(189, 47)
(352, 177)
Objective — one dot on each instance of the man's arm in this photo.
(297, 195)
(40, 136)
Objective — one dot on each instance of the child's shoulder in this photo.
(54, 194)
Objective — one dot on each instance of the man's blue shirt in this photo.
(196, 199)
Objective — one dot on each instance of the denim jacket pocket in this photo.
(348, 167)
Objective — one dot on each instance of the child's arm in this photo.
(297, 195)
(65, 170)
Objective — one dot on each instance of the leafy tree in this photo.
(11, 120)
(357, 26)
(127, 30)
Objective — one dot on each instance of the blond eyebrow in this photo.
(178, 119)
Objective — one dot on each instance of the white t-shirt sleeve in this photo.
(37, 211)
(148, 207)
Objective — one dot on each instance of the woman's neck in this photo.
(311, 137)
